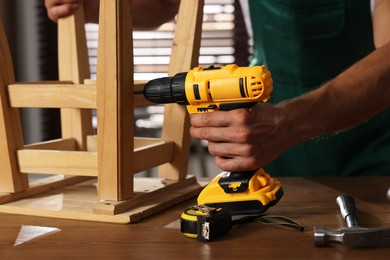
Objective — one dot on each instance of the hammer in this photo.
(353, 235)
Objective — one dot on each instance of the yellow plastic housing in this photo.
(261, 188)
(206, 89)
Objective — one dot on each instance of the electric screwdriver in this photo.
(214, 88)
(205, 90)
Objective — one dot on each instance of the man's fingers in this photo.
(215, 119)
(239, 135)
(229, 150)
(232, 157)
(234, 164)
(207, 133)
(60, 11)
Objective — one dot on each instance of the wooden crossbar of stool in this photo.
(92, 176)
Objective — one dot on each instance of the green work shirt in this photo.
(305, 43)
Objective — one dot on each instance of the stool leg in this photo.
(11, 136)
(73, 65)
(185, 54)
(115, 87)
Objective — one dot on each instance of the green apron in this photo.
(305, 43)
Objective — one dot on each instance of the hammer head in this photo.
(353, 237)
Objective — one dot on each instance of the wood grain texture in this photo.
(40, 186)
(52, 95)
(73, 66)
(57, 144)
(112, 156)
(309, 201)
(149, 189)
(61, 95)
(145, 151)
(114, 100)
(11, 137)
(77, 199)
(185, 54)
(71, 163)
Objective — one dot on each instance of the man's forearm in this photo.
(352, 98)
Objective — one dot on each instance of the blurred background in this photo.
(33, 42)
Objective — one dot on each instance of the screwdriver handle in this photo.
(348, 209)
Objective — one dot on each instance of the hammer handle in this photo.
(348, 209)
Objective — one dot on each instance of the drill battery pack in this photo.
(242, 193)
(205, 223)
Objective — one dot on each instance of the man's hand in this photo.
(61, 8)
(146, 14)
(247, 139)
(252, 139)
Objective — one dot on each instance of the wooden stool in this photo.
(93, 175)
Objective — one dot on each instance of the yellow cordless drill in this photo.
(210, 89)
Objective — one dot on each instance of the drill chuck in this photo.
(167, 90)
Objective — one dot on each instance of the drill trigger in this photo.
(236, 105)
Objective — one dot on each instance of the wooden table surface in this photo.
(308, 201)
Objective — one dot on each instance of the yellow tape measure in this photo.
(205, 223)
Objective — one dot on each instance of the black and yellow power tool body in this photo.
(226, 88)
(242, 193)
(205, 90)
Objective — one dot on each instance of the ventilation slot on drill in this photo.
(208, 88)
(257, 87)
(242, 88)
(196, 91)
